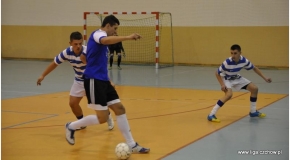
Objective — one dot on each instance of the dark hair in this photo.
(111, 19)
(76, 36)
(236, 47)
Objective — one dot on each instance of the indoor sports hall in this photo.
(167, 82)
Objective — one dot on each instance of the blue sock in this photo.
(80, 117)
(220, 103)
(253, 99)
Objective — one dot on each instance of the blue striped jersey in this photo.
(75, 61)
(230, 68)
(97, 57)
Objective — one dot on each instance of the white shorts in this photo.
(237, 83)
(78, 89)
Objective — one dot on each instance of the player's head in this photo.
(76, 40)
(236, 52)
(110, 25)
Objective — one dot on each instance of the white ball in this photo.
(123, 151)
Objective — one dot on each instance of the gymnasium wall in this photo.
(203, 30)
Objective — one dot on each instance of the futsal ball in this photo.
(123, 151)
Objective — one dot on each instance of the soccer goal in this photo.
(156, 45)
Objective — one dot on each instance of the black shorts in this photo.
(100, 92)
(118, 50)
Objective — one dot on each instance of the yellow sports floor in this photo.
(163, 119)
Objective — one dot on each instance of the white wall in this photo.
(185, 12)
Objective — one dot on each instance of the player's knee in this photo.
(119, 54)
(111, 55)
(103, 118)
(119, 109)
(255, 89)
(229, 95)
(252, 88)
(73, 104)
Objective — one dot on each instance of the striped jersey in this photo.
(97, 57)
(75, 61)
(230, 69)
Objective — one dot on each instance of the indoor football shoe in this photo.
(257, 114)
(212, 118)
(139, 149)
(69, 134)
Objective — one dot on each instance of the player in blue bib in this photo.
(101, 95)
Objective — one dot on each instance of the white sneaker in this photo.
(140, 149)
(83, 127)
(69, 134)
(110, 122)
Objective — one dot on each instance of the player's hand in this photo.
(224, 88)
(135, 36)
(112, 84)
(39, 80)
(269, 80)
(124, 54)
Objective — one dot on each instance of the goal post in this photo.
(156, 44)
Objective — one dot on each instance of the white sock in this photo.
(86, 121)
(214, 110)
(253, 107)
(125, 129)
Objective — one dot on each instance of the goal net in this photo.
(156, 44)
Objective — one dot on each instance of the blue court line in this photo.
(49, 116)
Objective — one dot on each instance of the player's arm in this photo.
(219, 75)
(49, 68)
(250, 66)
(57, 60)
(83, 55)
(107, 40)
(220, 80)
(112, 83)
(258, 71)
(83, 58)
